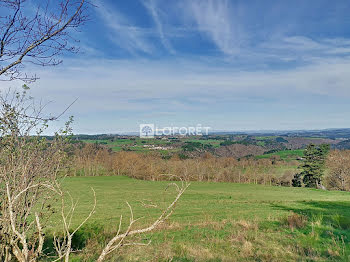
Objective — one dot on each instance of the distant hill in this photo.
(239, 150)
(342, 145)
(324, 133)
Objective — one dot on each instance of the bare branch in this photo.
(37, 38)
(63, 246)
(117, 241)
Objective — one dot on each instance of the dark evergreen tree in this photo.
(313, 166)
(296, 181)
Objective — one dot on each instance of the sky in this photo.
(228, 64)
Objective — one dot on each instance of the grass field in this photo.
(218, 221)
(265, 137)
(285, 154)
(214, 142)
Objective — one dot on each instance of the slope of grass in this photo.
(217, 221)
(214, 142)
(285, 154)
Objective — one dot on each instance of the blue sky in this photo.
(230, 65)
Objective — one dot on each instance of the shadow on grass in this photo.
(327, 218)
(326, 231)
(337, 213)
(79, 240)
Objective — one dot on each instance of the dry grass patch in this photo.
(247, 225)
(295, 221)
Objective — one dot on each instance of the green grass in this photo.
(265, 137)
(219, 221)
(214, 142)
(261, 143)
(285, 154)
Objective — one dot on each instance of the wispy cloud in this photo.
(304, 49)
(136, 88)
(254, 28)
(230, 26)
(123, 32)
(154, 12)
(219, 22)
(300, 43)
(273, 66)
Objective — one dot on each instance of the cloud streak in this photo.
(122, 31)
(218, 21)
(152, 8)
(141, 90)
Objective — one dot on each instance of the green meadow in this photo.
(285, 154)
(214, 221)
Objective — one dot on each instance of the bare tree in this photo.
(29, 167)
(338, 165)
(37, 34)
(63, 245)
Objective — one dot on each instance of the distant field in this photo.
(142, 145)
(265, 137)
(285, 154)
(168, 146)
(137, 144)
(213, 142)
(222, 221)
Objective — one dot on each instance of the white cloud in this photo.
(339, 50)
(123, 32)
(229, 26)
(116, 94)
(220, 23)
(152, 8)
(302, 49)
(300, 43)
(138, 84)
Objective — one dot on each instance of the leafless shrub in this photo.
(338, 164)
(96, 160)
(63, 245)
(92, 160)
(30, 166)
(286, 178)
